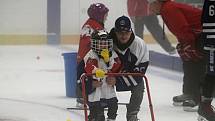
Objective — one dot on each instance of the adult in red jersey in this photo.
(138, 11)
(97, 13)
(184, 22)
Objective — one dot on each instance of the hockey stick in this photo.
(122, 103)
(80, 108)
(76, 108)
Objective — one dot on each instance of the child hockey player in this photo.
(97, 13)
(100, 90)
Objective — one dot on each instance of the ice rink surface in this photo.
(32, 88)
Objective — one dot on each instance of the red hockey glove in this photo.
(188, 53)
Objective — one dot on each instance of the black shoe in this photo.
(190, 105)
(178, 100)
(206, 112)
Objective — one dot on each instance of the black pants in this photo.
(97, 109)
(194, 73)
(208, 86)
(135, 100)
(209, 83)
(152, 24)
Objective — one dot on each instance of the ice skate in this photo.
(178, 100)
(200, 118)
(79, 103)
(190, 106)
(206, 111)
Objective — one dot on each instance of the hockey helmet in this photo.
(97, 11)
(100, 40)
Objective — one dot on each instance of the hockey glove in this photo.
(188, 53)
(100, 73)
(105, 55)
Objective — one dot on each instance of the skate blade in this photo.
(177, 104)
(191, 109)
(200, 118)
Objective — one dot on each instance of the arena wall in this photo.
(25, 21)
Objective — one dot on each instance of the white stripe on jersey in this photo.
(210, 36)
(208, 30)
(208, 24)
(126, 81)
(209, 48)
(132, 79)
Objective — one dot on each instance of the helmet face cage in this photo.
(100, 41)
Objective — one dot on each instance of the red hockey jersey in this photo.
(92, 62)
(182, 20)
(84, 45)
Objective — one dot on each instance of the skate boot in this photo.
(132, 118)
(80, 102)
(206, 111)
(190, 105)
(178, 100)
(100, 118)
(132, 112)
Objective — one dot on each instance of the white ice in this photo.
(32, 88)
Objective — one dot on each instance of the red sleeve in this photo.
(178, 25)
(84, 47)
(90, 65)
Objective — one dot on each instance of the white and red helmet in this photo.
(100, 40)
